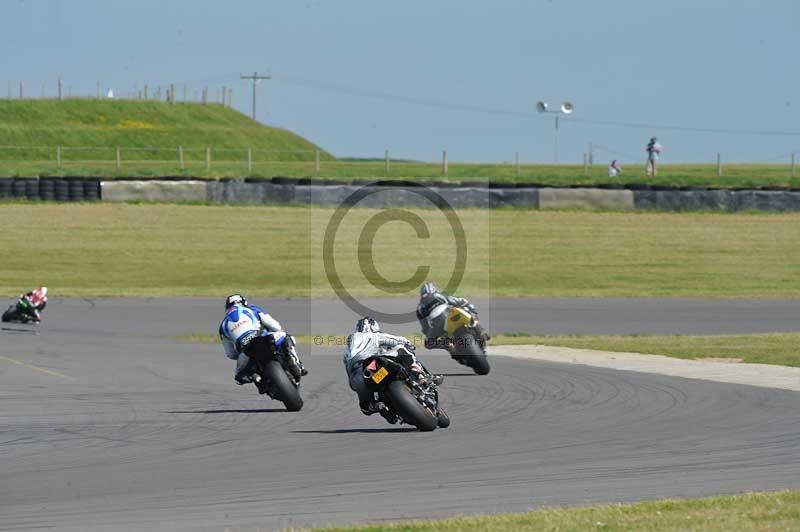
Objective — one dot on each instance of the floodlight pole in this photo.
(556, 138)
(566, 108)
(255, 76)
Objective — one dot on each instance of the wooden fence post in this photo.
(719, 165)
(58, 157)
(316, 162)
(444, 162)
(208, 157)
(180, 158)
(119, 159)
(386, 162)
(249, 160)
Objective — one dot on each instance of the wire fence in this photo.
(171, 92)
(210, 161)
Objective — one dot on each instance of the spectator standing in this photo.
(614, 169)
(653, 150)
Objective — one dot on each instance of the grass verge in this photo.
(768, 348)
(192, 250)
(746, 512)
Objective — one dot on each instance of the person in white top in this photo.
(653, 151)
(614, 169)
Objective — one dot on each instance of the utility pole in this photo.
(255, 76)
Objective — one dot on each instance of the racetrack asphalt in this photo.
(108, 423)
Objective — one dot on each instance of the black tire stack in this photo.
(61, 191)
(91, 189)
(50, 188)
(5, 187)
(18, 188)
(75, 189)
(47, 189)
(32, 189)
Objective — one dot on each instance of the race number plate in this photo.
(379, 375)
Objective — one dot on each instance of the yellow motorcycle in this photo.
(465, 340)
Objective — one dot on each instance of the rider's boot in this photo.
(261, 384)
(296, 366)
(387, 415)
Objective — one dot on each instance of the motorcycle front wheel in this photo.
(473, 355)
(286, 392)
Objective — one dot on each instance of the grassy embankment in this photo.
(149, 134)
(743, 513)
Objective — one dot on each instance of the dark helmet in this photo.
(428, 289)
(367, 325)
(235, 299)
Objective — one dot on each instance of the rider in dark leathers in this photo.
(432, 313)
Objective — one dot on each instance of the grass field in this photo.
(121, 249)
(743, 513)
(150, 132)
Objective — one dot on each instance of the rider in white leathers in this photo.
(367, 341)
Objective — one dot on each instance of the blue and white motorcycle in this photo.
(274, 373)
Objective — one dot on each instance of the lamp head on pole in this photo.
(541, 106)
(567, 108)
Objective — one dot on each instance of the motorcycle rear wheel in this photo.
(10, 314)
(407, 407)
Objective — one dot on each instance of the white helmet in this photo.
(235, 299)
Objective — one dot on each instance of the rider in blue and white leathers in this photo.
(243, 323)
(368, 341)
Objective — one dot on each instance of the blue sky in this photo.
(415, 77)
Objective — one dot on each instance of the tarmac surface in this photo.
(108, 423)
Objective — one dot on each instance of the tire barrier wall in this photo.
(153, 190)
(238, 191)
(50, 189)
(717, 200)
(282, 191)
(583, 198)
